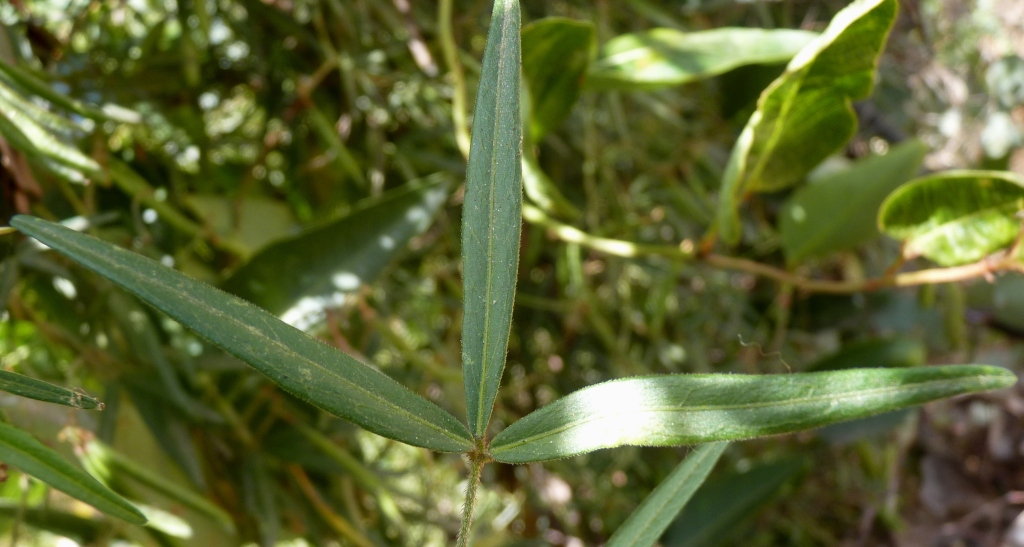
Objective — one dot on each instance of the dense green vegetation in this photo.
(564, 253)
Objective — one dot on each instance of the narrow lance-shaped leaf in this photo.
(491, 217)
(303, 366)
(955, 217)
(21, 450)
(839, 211)
(297, 277)
(22, 385)
(665, 57)
(698, 408)
(660, 508)
(806, 114)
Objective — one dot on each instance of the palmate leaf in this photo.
(302, 365)
(806, 114)
(665, 57)
(24, 386)
(698, 408)
(21, 450)
(492, 217)
(660, 508)
(955, 217)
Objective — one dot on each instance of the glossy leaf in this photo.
(665, 57)
(21, 450)
(839, 211)
(491, 217)
(955, 217)
(725, 503)
(297, 277)
(24, 386)
(556, 55)
(659, 509)
(806, 114)
(685, 409)
(303, 366)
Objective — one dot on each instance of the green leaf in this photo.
(556, 54)
(85, 530)
(297, 277)
(22, 385)
(807, 113)
(955, 217)
(685, 409)
(724, 503)
(491, 217)
(665, 57)
(30, 82)
(21, 450)
(303, 366)
(660, 508)
(839, 211)
(542, 190)
(106, 464)
(254, 221)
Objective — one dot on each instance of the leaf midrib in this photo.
(283, 349)
(676, 408)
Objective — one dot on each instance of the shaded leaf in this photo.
(24, 386)
(955, 217)
(556, 55)
(303, 366)
(252, 220)
(542, 190)
(724, 503)
(664, 57)
(697, 408)
(807, 113)
(839, 211)
(297, 277)
(491, 217)
(660, 508)
(85, 530)
(21, 450)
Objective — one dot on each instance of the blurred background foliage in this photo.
(302, 153)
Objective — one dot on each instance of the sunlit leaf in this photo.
(698, 408)
(664, 57)
(955, 217)
(807, 113)
(556, 55)
(724, 504)
(24, 386)
(659, 509)
(491, 217)
(21, 450)
(297, 277)
(303, 366)
(839, 211)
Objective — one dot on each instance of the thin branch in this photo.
(1003, 261)
(477, 460)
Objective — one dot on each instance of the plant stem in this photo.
(451, 58)
(686, 251)
(476, 466)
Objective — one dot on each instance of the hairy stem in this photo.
(686, 251)
(476, 466)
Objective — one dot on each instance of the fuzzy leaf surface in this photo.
(491, 217)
